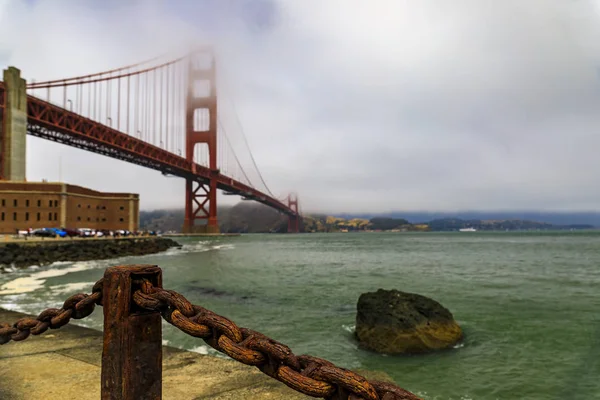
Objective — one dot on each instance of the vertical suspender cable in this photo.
(147, 108)
(100, 101)
(137, 104)
(108, 102)
(160, 112)
(128, 104)
(89, 87)
(119, 104)
(154, 105)
(167, 111)
(181, 134)
(95, 98)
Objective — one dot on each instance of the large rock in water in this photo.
(394, 322)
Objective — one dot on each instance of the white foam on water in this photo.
(59, 263)
(200, 349)
(165, 342)
(71, 288)
(223, 247)
(198, 247)
(349, 328)
(36, 280)
(11, 302)
(459, 345)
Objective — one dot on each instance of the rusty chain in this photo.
(306, 374)
(77, 306)
(309, 375)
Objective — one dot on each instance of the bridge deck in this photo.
(49, 121)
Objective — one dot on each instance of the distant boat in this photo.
(467, 230)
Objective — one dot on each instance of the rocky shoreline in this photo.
(24, 254)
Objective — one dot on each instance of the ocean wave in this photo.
(349, 328)
(71, 288)
(11, 268)
(12, 302)
(200, 349)
(36, 280)
(198, 247)
(223, 247)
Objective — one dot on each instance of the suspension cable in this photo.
(233, 151)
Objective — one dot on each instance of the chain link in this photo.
(77, 306)
(309, 375)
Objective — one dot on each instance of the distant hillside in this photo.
(553, 218)
(322, 223)
(244, 217)
(162, 220)
(248, 217)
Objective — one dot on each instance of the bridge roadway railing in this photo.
(134, 302)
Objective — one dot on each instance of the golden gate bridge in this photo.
(160, 114)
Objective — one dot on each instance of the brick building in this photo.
(35, 205)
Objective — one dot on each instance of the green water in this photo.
(529, 303)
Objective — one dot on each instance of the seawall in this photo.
(26, 253)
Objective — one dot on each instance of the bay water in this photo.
(529, 303)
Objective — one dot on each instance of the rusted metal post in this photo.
(132, 350)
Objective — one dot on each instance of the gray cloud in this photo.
(357, 105)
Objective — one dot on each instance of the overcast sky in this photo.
(373, 105)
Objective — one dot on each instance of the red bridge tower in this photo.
(201, 127)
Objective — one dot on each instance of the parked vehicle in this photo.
(43, 232)
(71, 232)
(58, 232)
(86, 232)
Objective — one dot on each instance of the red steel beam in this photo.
(55, 123)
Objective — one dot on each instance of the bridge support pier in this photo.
(294, 224)
(201, 204)
(293, 220)
(13, 127)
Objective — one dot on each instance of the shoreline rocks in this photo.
(21, 255)
(395, 322)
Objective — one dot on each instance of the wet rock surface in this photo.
(42, 253)
(395, 322)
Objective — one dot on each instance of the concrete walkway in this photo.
(65, 364)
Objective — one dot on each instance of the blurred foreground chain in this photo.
(77, 306)
(309, 375)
